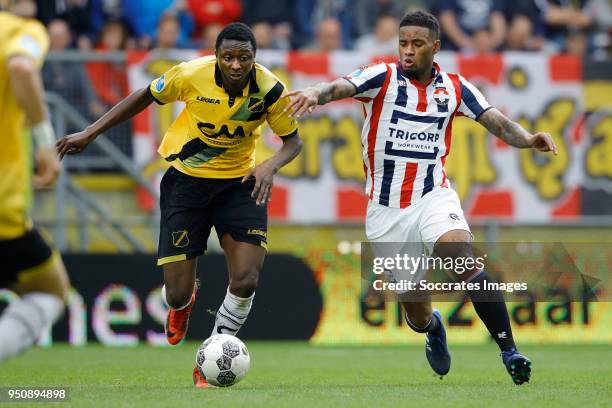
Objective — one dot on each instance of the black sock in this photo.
(432, 327)
(491, 308)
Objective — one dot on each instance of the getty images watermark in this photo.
(534, 271)
(402, 264)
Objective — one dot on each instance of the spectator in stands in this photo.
(384, 40)
(290, 20)
(268, 37)
(368, 12)
(206, 12)
(78, 15)
(567, 24)
(67, 78)
(271, 11)
(526, 31)
(168, 32)
(109, 79)
(328, 37)
(577, 42)
(601, 10)
(302, 32)
(270, 21)
(103, 11)
(23, 8)
(262, 31)
(476, 25)
(143, 16)
(209, 36)
(342, 12)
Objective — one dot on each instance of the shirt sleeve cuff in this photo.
(153, 96)
(480, 114)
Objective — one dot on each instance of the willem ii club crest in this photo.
(441, 96)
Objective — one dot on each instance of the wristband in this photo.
(43, 135)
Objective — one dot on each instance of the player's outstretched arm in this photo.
(136, 102)
(512, 133)
(305, 100)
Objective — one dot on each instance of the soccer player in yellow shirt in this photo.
(28, 264)
(213, 180)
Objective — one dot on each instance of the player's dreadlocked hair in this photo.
(422, 19)
(238, 32)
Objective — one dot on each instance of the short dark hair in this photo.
(238, 32)
(422, 19)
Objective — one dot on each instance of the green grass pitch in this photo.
(288, 374)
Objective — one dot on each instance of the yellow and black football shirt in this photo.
(214, 136)
(27, 37)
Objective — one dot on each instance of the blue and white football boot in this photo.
(436, 349)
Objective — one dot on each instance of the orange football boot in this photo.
(177, 321)
(198, 380)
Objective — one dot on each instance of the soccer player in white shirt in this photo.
(410, 106)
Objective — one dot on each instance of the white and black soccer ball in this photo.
(223, 360)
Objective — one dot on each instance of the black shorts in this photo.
(20, 254)
(191, 206)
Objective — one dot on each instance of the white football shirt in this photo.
(408, 127)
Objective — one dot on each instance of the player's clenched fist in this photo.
(543, 142)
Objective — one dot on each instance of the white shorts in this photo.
(414, 229)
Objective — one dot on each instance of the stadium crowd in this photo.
(582, 27)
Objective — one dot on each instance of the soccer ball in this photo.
(223, 360)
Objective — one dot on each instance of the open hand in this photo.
(302, 101)
(72, 144)
(264, 179)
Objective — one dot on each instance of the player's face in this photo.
(235, 60)
(417, 47)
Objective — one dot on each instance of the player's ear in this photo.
(436, 47)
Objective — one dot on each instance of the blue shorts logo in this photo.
(160, 83)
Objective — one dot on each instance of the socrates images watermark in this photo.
(406, 273)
